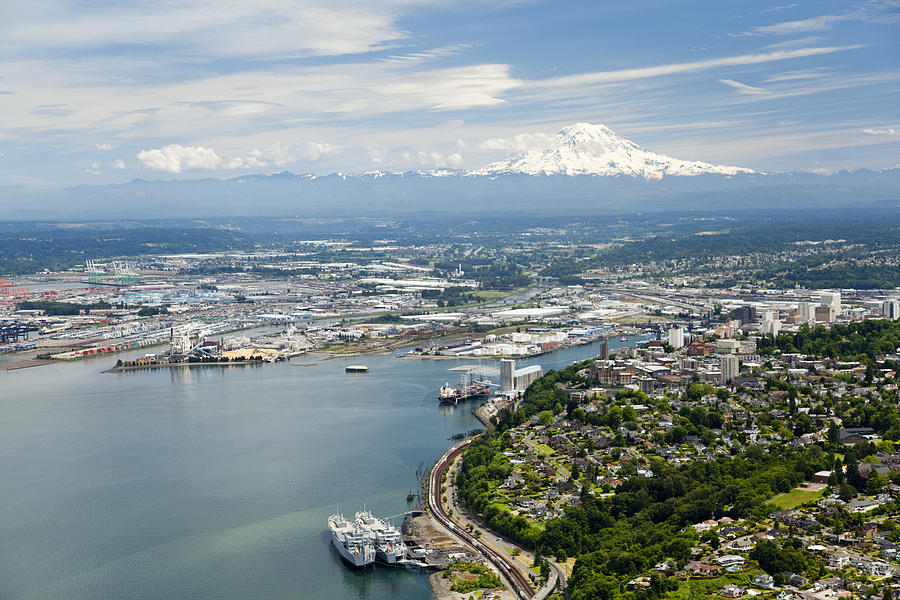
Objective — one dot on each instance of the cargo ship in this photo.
(352, 541)
(389, 546)
(467, 389)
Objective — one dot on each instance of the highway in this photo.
(518, 581)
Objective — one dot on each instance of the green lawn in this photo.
(545, 449)
(794, 498)
(708, 588)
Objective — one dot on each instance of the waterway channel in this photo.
(214, 482)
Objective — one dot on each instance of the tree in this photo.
(545, 569)
(853, 476)
(834, 435)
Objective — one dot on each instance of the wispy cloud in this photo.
(814, 73)
(743, 88)
(53, 110)
(807, 40)
(889, 131)
(207, 27)
(687, 67)
(873, 11)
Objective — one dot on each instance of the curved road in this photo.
(518, 581)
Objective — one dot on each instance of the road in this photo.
(514, 572)
(510, 572)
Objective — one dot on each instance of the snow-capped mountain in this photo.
(587, 149)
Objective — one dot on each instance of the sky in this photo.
(97, 92)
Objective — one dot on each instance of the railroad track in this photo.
(520, 583)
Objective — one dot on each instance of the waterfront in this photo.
(197, 483)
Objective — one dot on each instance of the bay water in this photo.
(215, 482)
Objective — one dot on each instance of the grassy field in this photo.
(492, 294)
(794, 498)
(708, 588)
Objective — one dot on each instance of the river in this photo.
(214, 482)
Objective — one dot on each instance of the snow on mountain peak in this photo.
(589, 149)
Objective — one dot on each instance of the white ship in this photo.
(389, 546)
(354, 543)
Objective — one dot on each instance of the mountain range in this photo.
(583, 169)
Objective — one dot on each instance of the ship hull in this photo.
(354, 561)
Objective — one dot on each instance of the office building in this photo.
(807, 311)
(676, 337)
(745, 314)
(729, 367)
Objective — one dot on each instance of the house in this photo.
(763, 580)
(732, 591)
(704, 569)
(795, 579)
(838, 561)
(861, 506)
(731, 560)
(853, 435)
(821, 477)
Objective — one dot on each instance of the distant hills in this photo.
(584, 169)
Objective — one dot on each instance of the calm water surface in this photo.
(213, 482)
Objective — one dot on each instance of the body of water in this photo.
(213, 482)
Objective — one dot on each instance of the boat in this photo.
(623, 339)
(389, 546)
(353, 542)
(356, 369)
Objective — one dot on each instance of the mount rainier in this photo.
(586, 149)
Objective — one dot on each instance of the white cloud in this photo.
(118, 164)
(174, 158)
(523, 142)
(890, 131)
(743, 88)
(316, 150)
(104, 146)
(438, 159)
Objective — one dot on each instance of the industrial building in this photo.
(514, 380)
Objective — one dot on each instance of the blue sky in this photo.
(101, 92)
